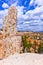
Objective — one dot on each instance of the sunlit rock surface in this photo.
(10, 46)
(10, 23)
(10, 43)
(23, 59)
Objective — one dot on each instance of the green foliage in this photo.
(28, 45)
(40, 49)
(25, 43)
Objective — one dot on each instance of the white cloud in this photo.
(39, 2)
(31, 2)
(0, 21)
(15, 4)
(31, 20)
(31, 16)
(5, 5)
(20, 10)
(3, 13)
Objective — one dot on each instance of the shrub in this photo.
(32, 47)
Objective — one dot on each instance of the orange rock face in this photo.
(1, 49)
(10, 23)
(1, 36)
(9, 46)
(9, 42)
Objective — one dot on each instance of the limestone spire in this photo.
(12, 12)
(10, 22)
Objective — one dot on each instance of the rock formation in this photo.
(23, 59)
(10, 22)
(11, 43)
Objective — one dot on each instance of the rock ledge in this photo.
(23, 59)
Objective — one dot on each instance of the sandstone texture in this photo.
(10, 43)
(23, 59)
(10, 46)
(10, 23)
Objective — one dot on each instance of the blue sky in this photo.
(30, 13)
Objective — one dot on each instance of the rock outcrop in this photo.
(23, 59)
(10, 23)
(10, 43)
(10, 46)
